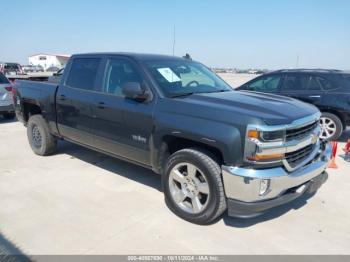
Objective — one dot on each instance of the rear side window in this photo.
(326, 84)
(346, 78)
(83, 73)
(3, 79)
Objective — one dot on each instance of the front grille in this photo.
(297, 133)
(296, 157)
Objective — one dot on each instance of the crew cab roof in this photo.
(136, 56)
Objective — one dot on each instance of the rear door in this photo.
(75, 97)
(303, 86)
(122, 126)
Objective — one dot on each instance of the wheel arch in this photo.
(30, 109)
(171, 144)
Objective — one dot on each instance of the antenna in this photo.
(297, 64)
(174, 40)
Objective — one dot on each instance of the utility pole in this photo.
(174, 40)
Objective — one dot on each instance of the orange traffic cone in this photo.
(347, 147)
(332, 163)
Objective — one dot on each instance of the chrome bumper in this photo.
(243, 184)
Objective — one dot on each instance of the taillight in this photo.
(8, 88)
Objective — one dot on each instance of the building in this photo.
(48, 60)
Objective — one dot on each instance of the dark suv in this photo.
(329, 90)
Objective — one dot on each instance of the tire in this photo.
(37, 128)
(206, 178)
(9, 116)
(331, 126)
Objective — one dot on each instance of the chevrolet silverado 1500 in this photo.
(215, 148)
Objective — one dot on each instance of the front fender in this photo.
(222, 136)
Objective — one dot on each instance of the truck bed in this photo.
(41, 94)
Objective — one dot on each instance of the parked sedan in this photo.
(329, 90)
(6, 102)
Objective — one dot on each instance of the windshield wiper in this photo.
(220, 91)
(182, 94)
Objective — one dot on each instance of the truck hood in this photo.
(272, 109)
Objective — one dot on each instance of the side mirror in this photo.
(133, 90)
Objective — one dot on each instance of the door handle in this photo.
(101, 105)
(63, 97)
(316, 96)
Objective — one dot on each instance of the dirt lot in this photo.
(235, 80)
(82, 202)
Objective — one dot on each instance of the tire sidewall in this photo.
(338, 123)
(34, 121)
(214, 193)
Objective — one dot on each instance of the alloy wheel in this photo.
(328, 127)
(189, 188)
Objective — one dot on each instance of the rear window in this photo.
(83, 73)
(12, 66)
(3, 79)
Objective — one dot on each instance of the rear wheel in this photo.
(193, 187)
(39, 137)
(9, 116)
(331, 126)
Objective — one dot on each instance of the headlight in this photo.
(255, 137)
(266, 136)
(273, 135)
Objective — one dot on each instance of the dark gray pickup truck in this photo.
(215, 148)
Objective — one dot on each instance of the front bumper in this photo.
(242, 185)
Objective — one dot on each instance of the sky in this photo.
(270, 34)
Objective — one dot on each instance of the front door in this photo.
(122, 126)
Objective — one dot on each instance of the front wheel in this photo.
(331, 126)
(193, 186)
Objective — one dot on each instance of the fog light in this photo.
(264, 186)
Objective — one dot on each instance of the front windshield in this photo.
(177, 78)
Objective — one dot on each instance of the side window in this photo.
(119, 71)
(314, 84)
(326, 84)
(83, 73)
(265, 84)
(295, 82)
